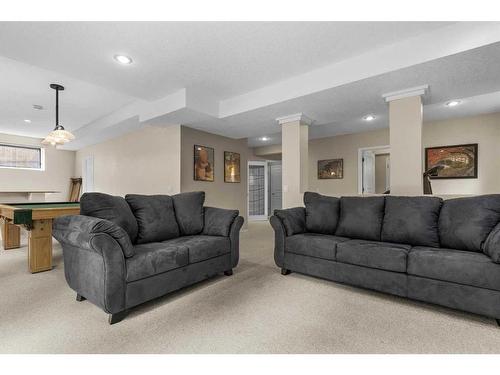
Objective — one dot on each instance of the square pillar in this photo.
(295, 158)
(405, 134)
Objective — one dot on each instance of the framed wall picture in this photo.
(203, 163)
(231, 167)
(457, 161)
(330, 169)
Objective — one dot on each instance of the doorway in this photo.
(264, 188)
(275, 190)
(374, 169)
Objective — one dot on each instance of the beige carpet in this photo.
(255, 311)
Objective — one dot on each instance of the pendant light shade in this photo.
(59, 135)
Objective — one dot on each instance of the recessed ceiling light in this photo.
(27, 121)
(369, 118)
(264, 139)
(123, 59)
(38, 107)
(453, 103)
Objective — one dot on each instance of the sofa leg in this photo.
(118, 317)
(284, 271)
(228, 272)
(80, 298)
(498, 322)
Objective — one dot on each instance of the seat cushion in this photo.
(322, 213)
(412, 220)
(189, 212)
(361, 217)
(202, 247)
(373, 254)
(464, 223)
(155, 217)
(154, 258)
(112, 208)
(457, 266)
(314, 245)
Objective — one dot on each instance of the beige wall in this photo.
(145, 161)
(217, 193)
(483, 129)
(341, 147)
(56, 176)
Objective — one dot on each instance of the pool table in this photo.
(37, 219)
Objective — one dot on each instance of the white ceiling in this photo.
(234, 78)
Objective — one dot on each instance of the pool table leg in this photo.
(40, 246)
(11, 235)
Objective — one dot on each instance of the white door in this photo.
(275, 189)
(388, 173)
(257, 190)
(368, 172)
(88, 174)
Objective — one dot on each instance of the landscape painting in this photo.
(231, 167)
(330, 169)
(457, 161)
(203, 163)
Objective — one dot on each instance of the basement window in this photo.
(21, 157)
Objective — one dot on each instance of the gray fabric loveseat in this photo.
(121, 252)
(442, 252)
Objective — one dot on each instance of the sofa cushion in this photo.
(412, 220)
(154, 258)
(457, 266)
(202, 247)
(112, 208)
(361, 217)
(314, 245)
(155, 217)
(464, 223)
(322, 213)
(492, 244)
(373, 254)
(218, 221)
(189, 212)
(293, 219)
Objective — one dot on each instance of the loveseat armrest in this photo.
(492, 244)
(234, 238)
(293, 219)
(79, 230)
(279, 240)
(218, 221)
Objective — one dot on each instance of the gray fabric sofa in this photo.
(121, 252)
(441, 252)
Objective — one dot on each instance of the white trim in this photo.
(293, 118)
(406, 93)
(266, 177)
(360, 163)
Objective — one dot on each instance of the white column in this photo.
(295, 158)
(405, 126)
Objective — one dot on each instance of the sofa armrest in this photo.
(293, 219)
(492, 244)
(279, 240)
(78, 230)
(218, 221)
(94, 259)
(234, 238)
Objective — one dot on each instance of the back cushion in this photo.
(189, 212)
(412, 220)
(361, 217)
(112, 208)
(464, 223)
(322, 213)
(155, 217)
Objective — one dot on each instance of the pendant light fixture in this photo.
(59, 135)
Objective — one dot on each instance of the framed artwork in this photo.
(231, 167)
(203, 163)
(457, 161)
(330, 169)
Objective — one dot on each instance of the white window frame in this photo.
(42, 157)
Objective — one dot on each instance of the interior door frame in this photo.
(266, 186)
(360, 162)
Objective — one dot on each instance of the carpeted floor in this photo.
(255, 311)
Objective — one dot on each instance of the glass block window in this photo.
(256, 190)
(20, 157)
